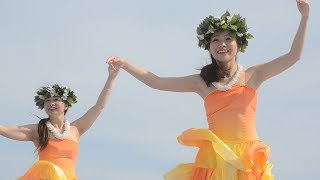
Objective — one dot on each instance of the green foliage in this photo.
(235, 24)
(55, 90)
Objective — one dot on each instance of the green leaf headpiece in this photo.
(54, 91)
(235, 24)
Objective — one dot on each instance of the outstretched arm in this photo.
(267, 70)
(176, 84)
(20, 133)
(86, 121)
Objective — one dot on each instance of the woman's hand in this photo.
(116, 62)
(113, 71)
(304, 7)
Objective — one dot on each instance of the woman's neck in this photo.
(57, 122)
(229, 68)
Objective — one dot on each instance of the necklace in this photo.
(55, 131)
(231, 83)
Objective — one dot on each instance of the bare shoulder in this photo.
(33, 128)
(252, 77)
(74, 133)
(201, 87)
(31, 132)
(190, 83)
(35, 131)
(197, 80)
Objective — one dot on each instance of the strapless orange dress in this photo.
(230, 149)
(57, 162)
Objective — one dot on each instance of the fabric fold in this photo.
(217, 160)
(44, 170)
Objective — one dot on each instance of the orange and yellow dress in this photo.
(57, 161)
(230, 149)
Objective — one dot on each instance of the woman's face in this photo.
(223, 46)
(54, 106)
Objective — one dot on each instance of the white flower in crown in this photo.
(65, 96)
(210, 31)
(52, 92)
(41, 97)
(217, 18)
(200, 37)
(239, 34)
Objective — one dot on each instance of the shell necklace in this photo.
(55, 131)
(231, 83)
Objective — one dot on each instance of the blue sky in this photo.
(67, 42)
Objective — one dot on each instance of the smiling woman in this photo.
(230, 148)
(55, 138)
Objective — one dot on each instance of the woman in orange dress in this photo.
(55, 138)
(230, 148)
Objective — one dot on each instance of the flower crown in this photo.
(235, 24)
(54, 91)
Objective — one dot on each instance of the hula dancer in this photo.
(55, 138)
(230, 149)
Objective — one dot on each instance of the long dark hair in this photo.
(44, 133)
(212, 72)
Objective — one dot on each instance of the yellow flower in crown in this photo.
(235, 24)
(55, 90)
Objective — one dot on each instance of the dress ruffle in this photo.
(44, 170)
(217, 160)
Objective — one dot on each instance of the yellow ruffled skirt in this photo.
(217, 160)
(44, 170)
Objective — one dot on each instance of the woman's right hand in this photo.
(116, 62)
(304, 7)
